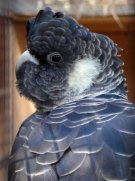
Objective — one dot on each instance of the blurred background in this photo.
(114, 18)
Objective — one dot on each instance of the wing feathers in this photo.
(69, 163)
(95, 145)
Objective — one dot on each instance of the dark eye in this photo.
(54, 58)
(58, 15)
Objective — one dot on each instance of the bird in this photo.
(84, 125)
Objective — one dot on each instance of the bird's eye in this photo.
(58, 15)
(54, 58)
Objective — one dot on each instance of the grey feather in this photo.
(75, 135)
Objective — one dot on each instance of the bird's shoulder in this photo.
(72, 132)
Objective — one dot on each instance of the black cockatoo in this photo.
(84, 126)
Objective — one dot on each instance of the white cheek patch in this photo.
(83, 74)
(25, 57)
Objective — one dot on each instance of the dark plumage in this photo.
(84, 127)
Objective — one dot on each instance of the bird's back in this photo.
(84, 140)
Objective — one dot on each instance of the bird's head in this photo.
(62, 60)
